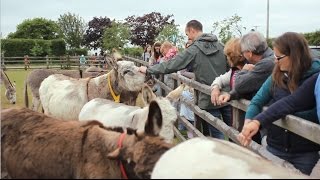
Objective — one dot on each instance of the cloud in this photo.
(293, 15)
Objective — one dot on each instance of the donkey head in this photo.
(142, 150)
(10, 88)
(11, 94)
(169, 114)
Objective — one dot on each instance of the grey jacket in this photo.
(207, 59)
(247, 83)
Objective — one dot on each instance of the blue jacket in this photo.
(317, 95)
(278, 137)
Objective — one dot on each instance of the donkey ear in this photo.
(175, 94)
(154, 121)
(116, 55)
(147, 94)
(112, 62)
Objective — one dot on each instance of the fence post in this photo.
(47, 60)
(198, 120)
(68, 62)
(61, 62)
(2, 62)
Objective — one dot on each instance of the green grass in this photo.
(18, 76)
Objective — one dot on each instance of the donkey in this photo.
(115, 114)
(217, 159)
(36, 76)
(63, 97)
(38, 146)
(10, 88)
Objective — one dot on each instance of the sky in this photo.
(284, 15)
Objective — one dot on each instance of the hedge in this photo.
(32, 47)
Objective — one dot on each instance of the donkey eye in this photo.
(126, 71)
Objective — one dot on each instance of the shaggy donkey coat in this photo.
(63, 97)
(113, 114)
(37, 146)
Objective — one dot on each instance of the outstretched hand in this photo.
(250, 128)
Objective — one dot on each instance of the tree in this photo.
(228, 28)
(172, 34)
(93, 36)
(72, 28)
(116, 36)
(37, 28)
(146, 28)
(313, 38)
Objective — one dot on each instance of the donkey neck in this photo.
(98, 86)
(6, 81)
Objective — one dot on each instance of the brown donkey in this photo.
(38, 146)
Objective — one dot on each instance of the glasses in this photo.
(279, 57)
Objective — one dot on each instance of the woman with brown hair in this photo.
(293, 66)
(155, 54)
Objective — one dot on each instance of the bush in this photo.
(17, 47)
(133, 51)
(58, 47)
(34, 47)
(77, 52)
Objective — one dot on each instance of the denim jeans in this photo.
(304, 162)
(223, 113)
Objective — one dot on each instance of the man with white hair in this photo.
(254, 48)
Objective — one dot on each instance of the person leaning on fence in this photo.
(155, 54)
(155, 59)
(249, 79)
(26, 62)
(147, 53)
(236, 61)
(168, 52)
(293, 66)
(206, 57)
(83, 61)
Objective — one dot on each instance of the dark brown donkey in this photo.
(38, 146)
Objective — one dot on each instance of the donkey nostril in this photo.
(14, 103)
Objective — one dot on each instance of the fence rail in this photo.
(302, 127)
(62, 62)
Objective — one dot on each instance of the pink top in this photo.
(170, 54)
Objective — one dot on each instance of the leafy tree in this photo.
(37, 28)
(72, 28)
(313, 38)
(116, 36)
(93, 36)
(172, 34)
(228, 28)
(146, 28)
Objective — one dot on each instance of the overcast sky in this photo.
(285, 15)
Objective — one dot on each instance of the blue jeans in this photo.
(223, 113)
(304, 162)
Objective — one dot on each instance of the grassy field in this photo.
(18, 76)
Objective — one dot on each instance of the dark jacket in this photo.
(278, 137)
(302, 99)
(207, 59)
(247, 83)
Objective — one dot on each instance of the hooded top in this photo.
(205, 56)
